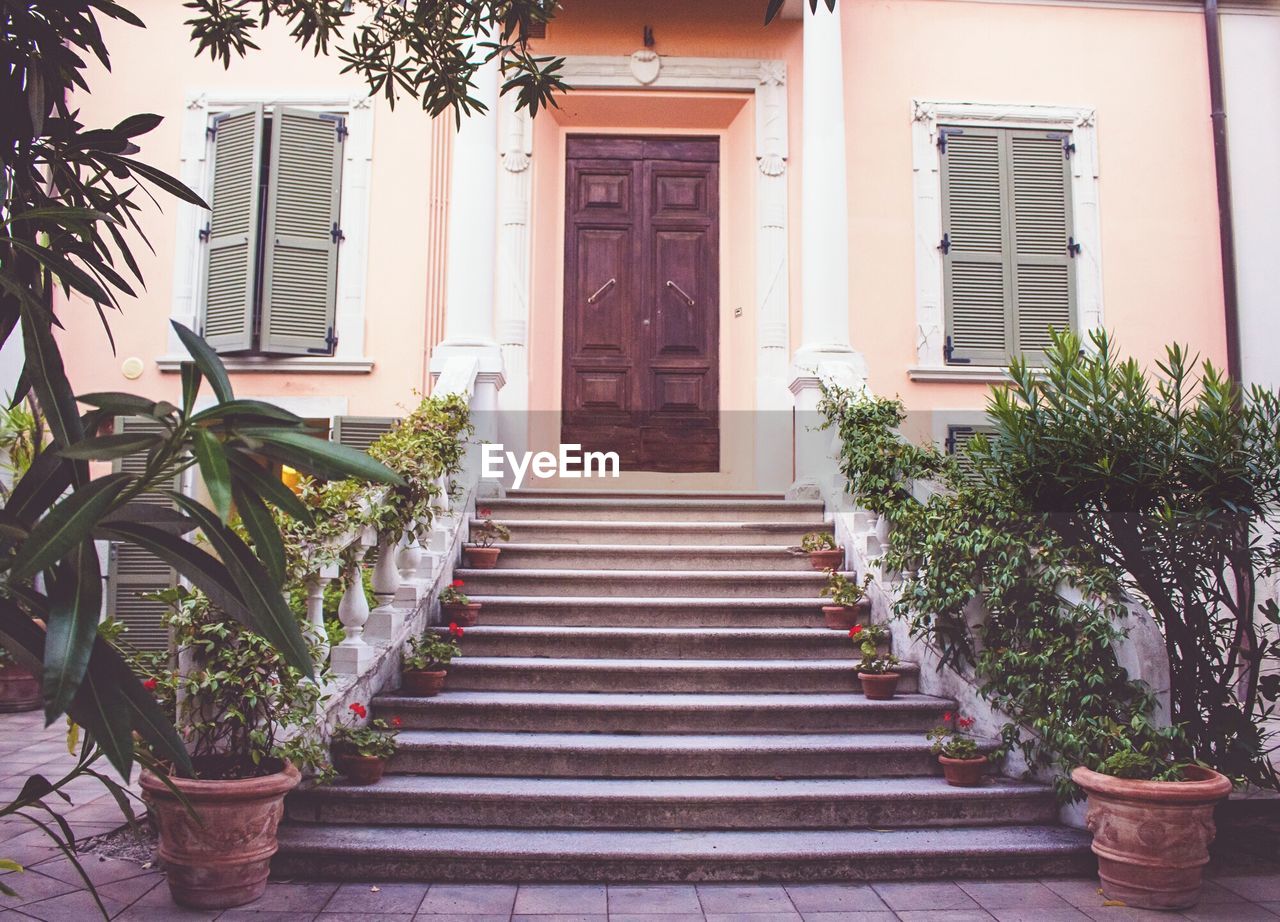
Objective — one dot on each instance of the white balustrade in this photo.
(315, 586)
(386, 621)
(353, 655)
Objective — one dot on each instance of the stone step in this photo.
(651, 584)
(363, 853)
(663, 713)
(661, 613)
(740, 676)
(689, 509)
(553, 531)
(627, 803)
(699, 643)
(757, 558)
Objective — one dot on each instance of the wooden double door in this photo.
(642, 300)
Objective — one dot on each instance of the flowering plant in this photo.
(486, 531)
(452, 594)
(818, 541)
(868, 640)
(429, 652)
(950, 739)
(843, 591)
(376, 739)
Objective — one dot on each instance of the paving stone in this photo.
(924, 895)
(1224, 912)
(873, 916)
(469, 898)
(1012, 894)
(389, 898)
(1128, 914)
(301, 896)
(734, 898)
(650, 917)
(654, 899)
(1039, 915)
(75, 905)
(561, 917)
(1081, 893)
(754, 917)
(32, 886)
(460, 917)
(267, 915)
(540, 899)
(834, 897)
(327, 916)
(945, 915)
(1261, 888)
(100, 870)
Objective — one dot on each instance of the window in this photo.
(273, 234)
(958, 439)
(1008, 243)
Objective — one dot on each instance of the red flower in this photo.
(150, 684)
(455, 629)
(359, 710)
(946, 718)
(965, 723)
(396, 722)
(855, 630)
(484, 513)
(458, 584)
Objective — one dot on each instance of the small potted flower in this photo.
(957, 752)
(849, 602)
(824, 553)
(877, 672)
(361, 752)
(480, 554)
(19, 687)
(1138, 788)
(426, 662)
(457, 607)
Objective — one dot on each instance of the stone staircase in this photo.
(651, 696)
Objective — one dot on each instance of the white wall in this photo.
(1251, 61)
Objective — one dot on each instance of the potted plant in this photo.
(235, 701)
(457, 607)
(957, 752)
(480, 553)
(426, 662)
(19, 687)
(849, 603)
(876, 671)
(824, 553)
(1152, 822)
(360, 751)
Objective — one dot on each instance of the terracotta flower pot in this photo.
(481, 558)
(223, 859)
(843, 617)
(1152, 837)
(963, 773)
(879, 686)
(827, 560)
(467, 615)
(420, 683)
(19, 690)
(358, 769)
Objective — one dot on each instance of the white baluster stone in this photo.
(353, 656)
(386, 621)
(315, 585)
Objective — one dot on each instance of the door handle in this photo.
(680, 291)
(601, 290)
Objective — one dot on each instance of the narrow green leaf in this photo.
(75, 606)
(119, 403)
(111, 447)
(213, 468)
(257, 410)
(272, 618)
(207, 361)
(254, 478)
(330, 460)
(264, 531)
(49, 379)
(191, 378)
(45, 480)
(67, 524)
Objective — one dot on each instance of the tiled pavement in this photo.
(51, 891)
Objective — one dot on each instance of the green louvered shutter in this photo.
(132, 572)
(300, 269)
(976, 280)
(360, 432)
(232, 246)
(1043, 280)
(958, 439)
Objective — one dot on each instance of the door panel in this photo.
(641, 373)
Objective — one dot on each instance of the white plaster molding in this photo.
(973, 374)
(305, 364)
(1081, 122)
(353, 255)
(305, 406)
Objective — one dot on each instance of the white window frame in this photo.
(926, 160)
(353, 255)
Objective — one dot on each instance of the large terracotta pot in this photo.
(963, 773)
(466, 615)
(827, 560)
(357, 768)
(223, 858)
(481, 558)
(879, 686)
(420, 683)
(19, 690)
(1152, 837)
(843, 617)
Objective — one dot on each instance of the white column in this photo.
(515, 196)
(825, 352)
